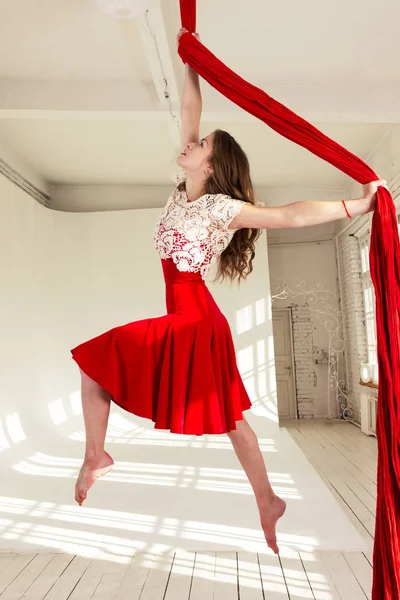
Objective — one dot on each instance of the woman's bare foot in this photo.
(91, 470)
(269, 515)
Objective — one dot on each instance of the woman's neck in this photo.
(195, 188)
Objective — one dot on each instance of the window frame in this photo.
(368, 292)
(369, 302)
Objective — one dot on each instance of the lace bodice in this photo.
(195, 233)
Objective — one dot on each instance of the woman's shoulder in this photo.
(224, 209)
(223, 202)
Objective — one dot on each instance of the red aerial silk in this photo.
(385, 272)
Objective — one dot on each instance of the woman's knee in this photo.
(241, 426)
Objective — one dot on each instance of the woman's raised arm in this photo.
(191, 103)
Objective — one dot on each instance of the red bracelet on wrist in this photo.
(345, 207)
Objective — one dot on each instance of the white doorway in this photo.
(284, 364)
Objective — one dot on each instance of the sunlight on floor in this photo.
(13, 429)
(212, 479)
(122, 430)
(94, 541)
(187, 472)
(57, 412)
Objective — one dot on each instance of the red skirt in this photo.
(179, 370)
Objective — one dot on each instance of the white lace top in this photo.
(195, 233)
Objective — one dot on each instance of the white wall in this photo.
(65, 278)
(313, 263)
(309, 254)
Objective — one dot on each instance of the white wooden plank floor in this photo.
(346, 460)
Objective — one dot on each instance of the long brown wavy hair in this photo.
(231, 176)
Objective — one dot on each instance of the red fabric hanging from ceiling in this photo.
(385, 273)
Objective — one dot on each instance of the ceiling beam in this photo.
(323, 103)
(11, 162)
(80, 96)
(152, 31)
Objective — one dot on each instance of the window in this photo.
(369, 298)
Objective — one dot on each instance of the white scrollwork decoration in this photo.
(322, 303)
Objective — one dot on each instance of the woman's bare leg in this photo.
(96, 409)
(270, 506)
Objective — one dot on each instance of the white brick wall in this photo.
(352, 305)
(386, 162)
(313, 264)
(303, 360)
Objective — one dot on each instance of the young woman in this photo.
(179, 370)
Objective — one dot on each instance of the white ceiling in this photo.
(268, 41)
(81, 100)
(68, 40)
(307, 41)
